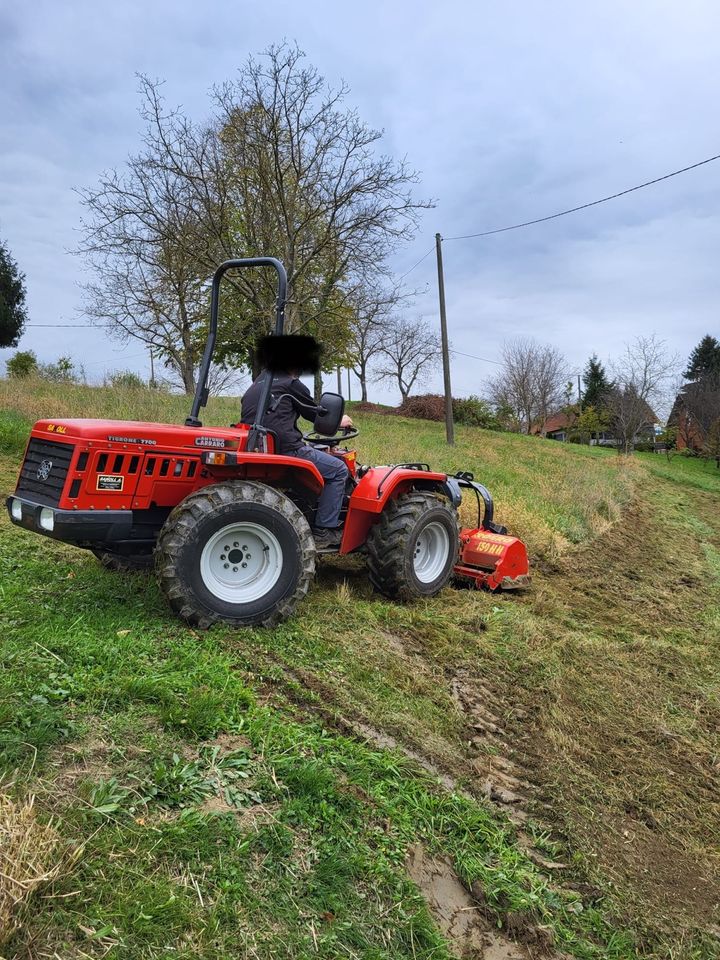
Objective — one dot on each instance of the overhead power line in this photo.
(584, 206)
(423, 257)
(473, 357)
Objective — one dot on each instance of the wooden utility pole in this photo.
(339, 380)
(579, 394)
(349, 396)
(449, 425)
(152, 368)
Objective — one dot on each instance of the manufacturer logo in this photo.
(43, 471)
(209, 442)
(110, 482)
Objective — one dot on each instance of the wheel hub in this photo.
(431, 552)
(241, 562)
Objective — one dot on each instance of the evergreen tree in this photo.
(704, 360)
(596, 384)
(12, 299)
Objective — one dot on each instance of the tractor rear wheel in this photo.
(125, 562)
(412, 549)
(237, 552)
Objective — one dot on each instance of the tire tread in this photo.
(179, 529)
(387, 542)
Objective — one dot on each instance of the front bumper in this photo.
(71, 526)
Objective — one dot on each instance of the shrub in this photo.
(470, 411)
(62, 371)
(473, 411)
(364, 406)
(125, 380)
(22, 364)
(427, 406)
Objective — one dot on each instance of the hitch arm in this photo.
(485, 521)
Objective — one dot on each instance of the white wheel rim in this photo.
(241, 562)
(431, 549)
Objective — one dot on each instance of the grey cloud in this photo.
(509, 113)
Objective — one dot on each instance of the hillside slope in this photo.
(555, 751)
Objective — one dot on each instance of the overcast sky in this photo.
(510, 112)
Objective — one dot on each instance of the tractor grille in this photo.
(44, 471)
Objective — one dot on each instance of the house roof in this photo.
(558, 421)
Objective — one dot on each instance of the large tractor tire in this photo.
(236, 552)
(125, 562)
(411, 551)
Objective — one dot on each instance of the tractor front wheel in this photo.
(412, 549)
(236, 552)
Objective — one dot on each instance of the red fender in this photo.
(376, 488)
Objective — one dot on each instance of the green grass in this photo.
(37, 399)
(221, 799)
(98, 662)
(685, 471)
(13, 432)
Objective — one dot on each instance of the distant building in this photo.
(560, 426)
(556, 427)
(693, 403)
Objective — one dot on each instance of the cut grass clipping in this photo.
(29, 857)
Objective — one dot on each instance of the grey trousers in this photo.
(334, 473)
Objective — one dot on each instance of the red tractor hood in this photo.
(128, 434)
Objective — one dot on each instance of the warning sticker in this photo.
(108, 482)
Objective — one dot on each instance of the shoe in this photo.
(327, 537)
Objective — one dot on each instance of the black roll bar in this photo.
(201, 392)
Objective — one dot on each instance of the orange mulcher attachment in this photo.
(488, 556)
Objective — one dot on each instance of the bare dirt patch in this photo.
(70, 765)
(626, 726)
(231, 743)
(458, 915)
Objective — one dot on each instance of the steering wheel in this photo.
(315, 438)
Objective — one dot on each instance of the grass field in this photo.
(552, 758)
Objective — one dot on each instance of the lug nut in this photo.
(244, 546)
(226, 549)
(243, 565)
(222, 556)
(234, 569)
(226, 565)
(235, 544)
(247, 555)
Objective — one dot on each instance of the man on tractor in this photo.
(289, 357)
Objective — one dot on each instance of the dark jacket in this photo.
(283, 420)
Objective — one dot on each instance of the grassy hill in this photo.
(531, 774)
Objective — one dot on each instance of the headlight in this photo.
(16, 510)
(47, 518)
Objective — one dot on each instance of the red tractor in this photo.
(226, 521)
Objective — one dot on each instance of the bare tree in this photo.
(373, 306)
(306, 175)
(550, 382)
(148, 240)
(284, 168)
(642, 377)
(409, 349)
(531, 383)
